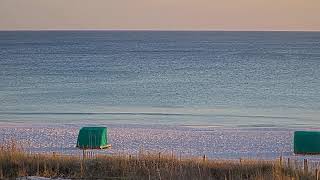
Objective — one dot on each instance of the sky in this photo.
(291, 15)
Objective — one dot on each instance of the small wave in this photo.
(97, 113)
(259, 126)
(153, 114)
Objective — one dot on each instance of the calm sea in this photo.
(267, 79)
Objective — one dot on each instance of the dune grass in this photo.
(14, 162)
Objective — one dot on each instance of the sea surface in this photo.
(195, 79)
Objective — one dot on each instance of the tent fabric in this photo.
(92, 138)
(307, 142)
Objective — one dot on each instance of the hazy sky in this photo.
(161, 14)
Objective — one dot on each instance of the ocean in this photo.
(205, 79)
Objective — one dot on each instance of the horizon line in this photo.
(159, 30)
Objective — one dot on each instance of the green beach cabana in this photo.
(307, 142)
(93, 138)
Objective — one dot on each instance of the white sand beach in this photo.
(214, 142)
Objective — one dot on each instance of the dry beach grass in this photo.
(15, 162)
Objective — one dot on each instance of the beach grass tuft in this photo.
(15, 162)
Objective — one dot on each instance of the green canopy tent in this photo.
(307, 142)
(93, 138)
